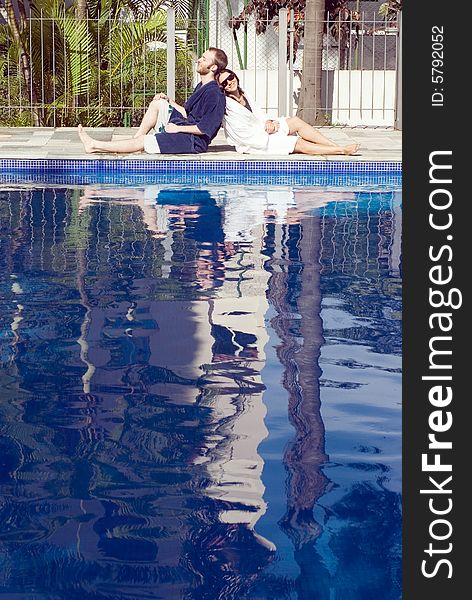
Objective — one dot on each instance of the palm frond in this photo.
(80, 47)
(128, 39)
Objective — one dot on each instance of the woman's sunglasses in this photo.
(230, 77)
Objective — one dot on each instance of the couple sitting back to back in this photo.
(189, 129)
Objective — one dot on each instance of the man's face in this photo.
(206, 64)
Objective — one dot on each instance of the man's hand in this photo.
(172, 128)
(162, 96)
(271, 126)
(180, 109)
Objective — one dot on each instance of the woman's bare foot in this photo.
(351, 149)
(87, 141)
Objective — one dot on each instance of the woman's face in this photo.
(228, 81)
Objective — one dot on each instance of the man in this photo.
(188, 129)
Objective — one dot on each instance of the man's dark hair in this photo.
(220, 59)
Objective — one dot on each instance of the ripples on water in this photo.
(200, 393)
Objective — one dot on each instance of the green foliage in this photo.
(100, 71)
(390, 9)
(15, 118)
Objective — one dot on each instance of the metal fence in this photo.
(103, 72)
(359, 59)
(94, 71)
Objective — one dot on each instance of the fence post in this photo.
(282, 71)
(290, 65)
(171, 53)
(398, 84)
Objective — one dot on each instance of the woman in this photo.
(252, 132)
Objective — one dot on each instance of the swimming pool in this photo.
(200, 390)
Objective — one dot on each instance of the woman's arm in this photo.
(271, 126)
(243, 128)
(257, 110)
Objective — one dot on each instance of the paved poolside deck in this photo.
(22, 143)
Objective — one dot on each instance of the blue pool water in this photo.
(200, 392)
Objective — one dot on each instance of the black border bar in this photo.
(437, 235)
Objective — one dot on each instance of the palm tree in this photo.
(81, 8)
(83, 59)
(312, 32)
(310, 91)
(16, 29)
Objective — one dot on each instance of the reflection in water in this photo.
(141, 430)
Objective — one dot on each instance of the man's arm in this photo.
(208, 119)
(173, 128)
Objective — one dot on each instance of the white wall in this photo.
(353, 98)
(356, 97)
(369, 94)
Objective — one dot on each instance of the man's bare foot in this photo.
(351, 149)
(87, 141)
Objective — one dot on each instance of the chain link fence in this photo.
(359, 58)
(103, 72)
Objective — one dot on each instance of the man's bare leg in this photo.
(120, 146)
(305, 147)
(151, 115)
(307, 132)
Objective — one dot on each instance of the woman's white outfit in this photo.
(245, 210)
(245, 130)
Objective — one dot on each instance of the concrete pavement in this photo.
(22, 143)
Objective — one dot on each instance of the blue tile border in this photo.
(251, 172)
(201, 166)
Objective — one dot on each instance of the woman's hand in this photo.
(271, 126)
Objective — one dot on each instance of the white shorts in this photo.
(281, 142)
(150, 143)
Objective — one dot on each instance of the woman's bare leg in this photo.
(305, 147)
(307, 132)
(150, 116)
(120, 146)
